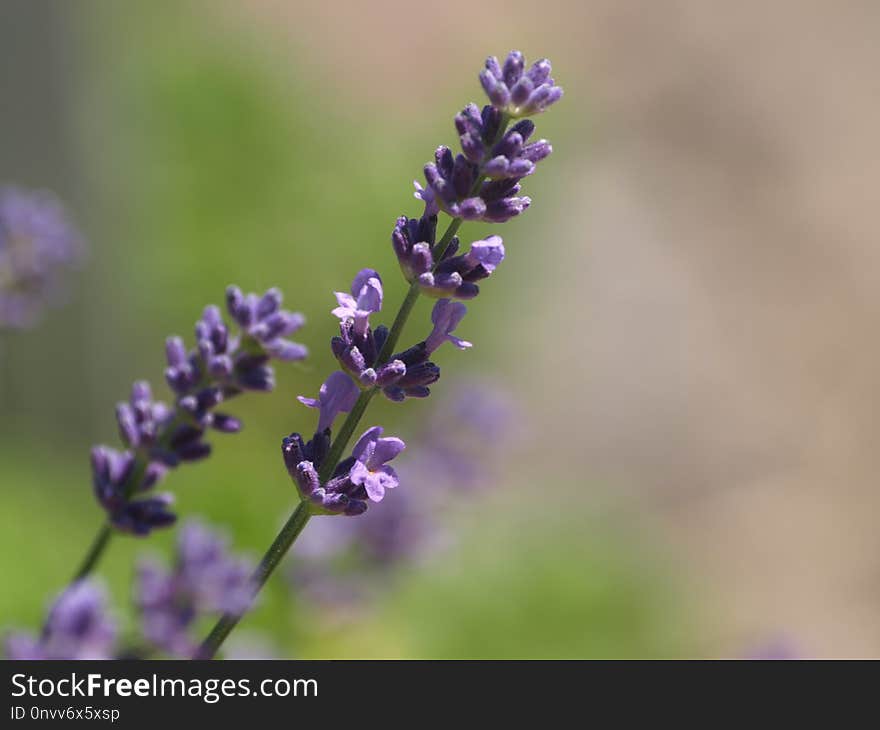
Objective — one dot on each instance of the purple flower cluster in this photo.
(518, 92)
(483, 182)
(37, 244)
(443, 273)
(159, 437)
(78, 627)
(364, 476)
(480, 183)
(205, 579)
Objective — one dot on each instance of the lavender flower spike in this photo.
(365, 298)
(446, 316)
(518, 92)
(370, 468)
(337, 395)
(160, 437)
(77, 627)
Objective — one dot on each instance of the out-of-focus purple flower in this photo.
(337, 394)
(38, 243)
(454, 276)
(365, 298)
(516, 91)
(206, 579)
(112, 472)
(339, 563)
(265, 324)
(446, 316)
(370, 469)
(462, 439)
(159, 437)
(356, 480)
(78, 627)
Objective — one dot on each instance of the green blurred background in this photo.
(268, 143)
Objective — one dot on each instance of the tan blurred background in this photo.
(718, 277)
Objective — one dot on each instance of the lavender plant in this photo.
(38, 244)
(480, 183)
(159, 437)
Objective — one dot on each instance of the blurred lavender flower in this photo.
(37, 244)
(518, 92)
(341, 563)
(159, 437)
(463, 439)
(205, 579)
(78, 627)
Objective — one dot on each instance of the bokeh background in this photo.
(687, 317)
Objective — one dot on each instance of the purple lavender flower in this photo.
(78, 627)
(457, 188)
(159, 437)
(518, 92)
(370, 469)
(337, 395)
(453, 276)
(365, 298)
(37, 244)
(508, 157)
(264, 325)
(112, 472)
(360, 478)
(205, 579)
(446, 316)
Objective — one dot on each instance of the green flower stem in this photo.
(99, 544)
(277, 550)
(297, 521)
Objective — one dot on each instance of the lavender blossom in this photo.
(160, 437)
(112, 474)
(452, 276)
(78, 627)
(205, 579)
(337, 395)
(340, 563)
(370, 469)
(360, 478)
(457, 188)
(508, 157)
(446, 316)
(365, 298)
(517, 92)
